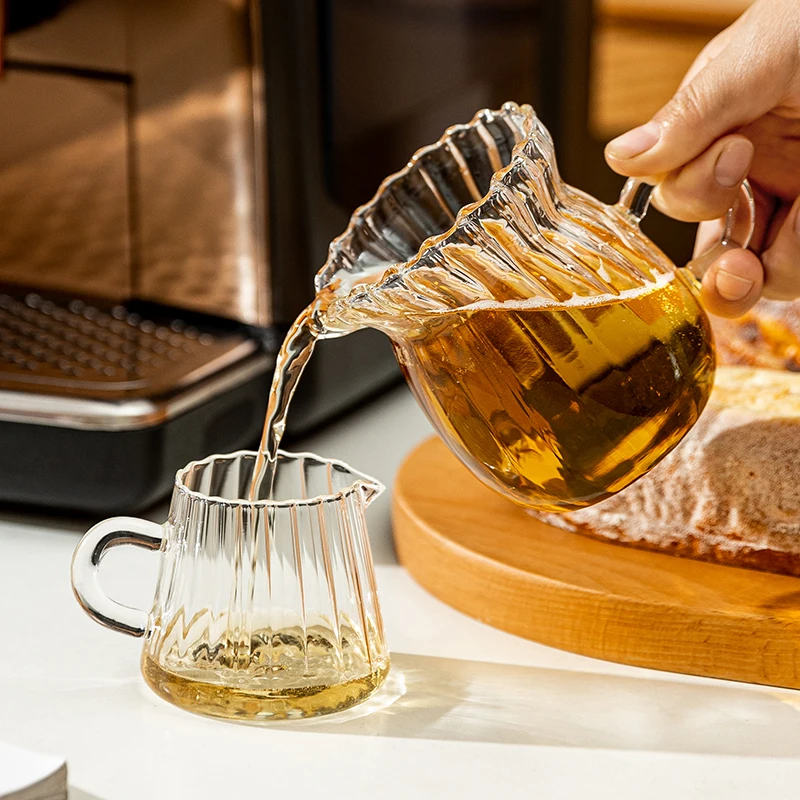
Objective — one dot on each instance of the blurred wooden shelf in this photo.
(717, 13)
(641, 51)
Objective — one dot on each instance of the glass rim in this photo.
(529, 119)
(360, 481)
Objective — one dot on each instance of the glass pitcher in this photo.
(558, 352)
(264, 609)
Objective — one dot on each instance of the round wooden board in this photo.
(490, 559)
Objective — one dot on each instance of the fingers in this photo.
(781, 259)
(776, 238)
(731, 90)
(709, 185)
(733, 284)
(736, 280)
(710, 233)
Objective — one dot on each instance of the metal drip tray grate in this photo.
(92, 350)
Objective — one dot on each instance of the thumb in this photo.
(734, 89)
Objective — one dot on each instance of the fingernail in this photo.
(731, 287)
(733, 163)
(635, 142)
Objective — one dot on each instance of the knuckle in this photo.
(687, 106)
(698, 104)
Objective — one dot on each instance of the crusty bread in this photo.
(730, 492)
(767, 336)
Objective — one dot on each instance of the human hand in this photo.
(736, 115)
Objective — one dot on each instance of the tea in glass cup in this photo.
(265, 608)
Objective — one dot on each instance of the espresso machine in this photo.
(171, 174)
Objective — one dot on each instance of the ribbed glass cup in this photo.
(264, 609)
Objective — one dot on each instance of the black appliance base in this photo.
(123, 471)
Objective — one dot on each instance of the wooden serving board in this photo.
(490, 559)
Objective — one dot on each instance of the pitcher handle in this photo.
(635, 200)
(91, 549)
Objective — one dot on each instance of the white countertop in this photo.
(468, 712)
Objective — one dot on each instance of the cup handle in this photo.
(634, 199)
(91, 549)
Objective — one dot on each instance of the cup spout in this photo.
(371, 490)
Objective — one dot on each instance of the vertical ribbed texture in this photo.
(273, 596)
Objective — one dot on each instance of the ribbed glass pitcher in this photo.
(559, 353)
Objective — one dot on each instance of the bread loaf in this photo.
(767, 336)
(729, 493)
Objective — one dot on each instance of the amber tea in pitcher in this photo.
(556, 350)
(565, 404)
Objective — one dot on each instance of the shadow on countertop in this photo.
(477, 701)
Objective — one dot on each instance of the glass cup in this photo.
(263, 609)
